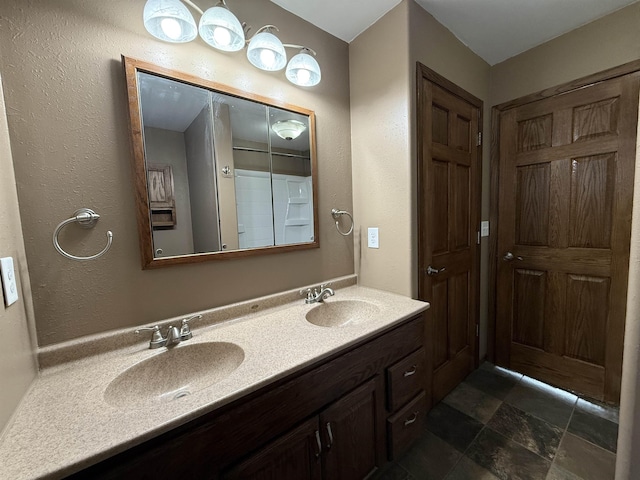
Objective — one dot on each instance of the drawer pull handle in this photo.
(411, 371)
(319, 443)
(411, 420)
(330, 433)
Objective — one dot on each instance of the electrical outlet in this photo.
(373, 237)
(9, 283)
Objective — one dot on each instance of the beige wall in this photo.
(627, 460)
(166, 147)
(605, 43)
(383, 65)
(381, 163)
(66, 94)
(437, 48)
(17, 355)
(226, 185)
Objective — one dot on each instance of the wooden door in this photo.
(294, 456)
(565, 198)
(353, 431)
(448, 203)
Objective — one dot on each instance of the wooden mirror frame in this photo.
(143, 211)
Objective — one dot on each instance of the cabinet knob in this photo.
(319, 444)
(330, 433)
(411, 371)
(411, 419)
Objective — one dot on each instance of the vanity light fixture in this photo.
(171, 21)
(221, 29)
(265, 50)
(289, 129)
(303, 69)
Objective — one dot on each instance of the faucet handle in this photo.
(307, 292)
(185, 330)
(156, 338)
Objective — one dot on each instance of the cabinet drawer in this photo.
(405, 378)
(406, 426)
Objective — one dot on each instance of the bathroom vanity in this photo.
(344, 416)
(304, 401)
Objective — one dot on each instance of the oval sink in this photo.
(341, 313)
(173, 374)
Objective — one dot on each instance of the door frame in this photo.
(424, 72)
(494, 166)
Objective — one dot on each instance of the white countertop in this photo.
(64, 424)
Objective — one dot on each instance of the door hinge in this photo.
(477, 330)
(479, 139)
(478, 238)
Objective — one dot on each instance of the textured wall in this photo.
(437, 48)
(380, 136)
(166, 147)
(382, 66)
(17, 355)
(605, 43)
(627, 461)
(66, 103)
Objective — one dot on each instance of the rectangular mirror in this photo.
(219, 172)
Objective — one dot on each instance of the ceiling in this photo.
(493, 29)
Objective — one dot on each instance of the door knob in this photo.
(434, 271)
(510, 257)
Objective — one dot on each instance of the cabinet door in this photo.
(353, 433)
(294, 456)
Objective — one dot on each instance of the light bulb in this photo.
(171, 28)
(303, 76)
(267, 57)
(222, 36)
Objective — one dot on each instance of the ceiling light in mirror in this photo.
(169, 20)
(289, 129)
(303, 70)
(266, 51)
(221, 29)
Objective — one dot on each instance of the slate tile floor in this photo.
(499, 424)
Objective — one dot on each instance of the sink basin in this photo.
(341, 313)
(173, 374)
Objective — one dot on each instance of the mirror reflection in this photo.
(223, 173)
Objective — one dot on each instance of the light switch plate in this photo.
(9, 284)
(372, 237)
(484, 229)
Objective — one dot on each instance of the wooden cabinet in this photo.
(407, 381)
(331, 420)
(296, 454)
(352, 432)
(406, 425)
(343, 442)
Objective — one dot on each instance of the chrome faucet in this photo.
(315, 296)
(174, 335)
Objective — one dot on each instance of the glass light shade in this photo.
(169, 20)
(221, 29)
(303, 70)
(289, 129)
(266, 52)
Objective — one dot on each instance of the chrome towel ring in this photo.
(336, 214)
(85, 218)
